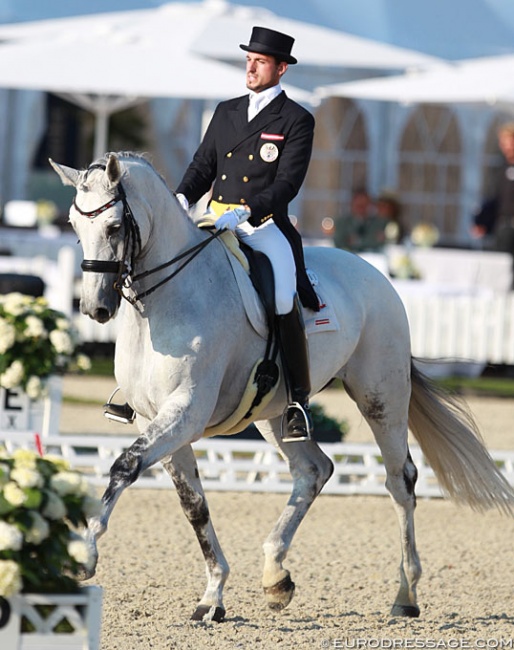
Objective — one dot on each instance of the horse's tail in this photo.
(451, 443)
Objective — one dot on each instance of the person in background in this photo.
(494, 223)
(362, 230)
(389, 209)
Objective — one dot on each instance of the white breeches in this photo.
(269, 240)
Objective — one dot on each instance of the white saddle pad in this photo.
(323, 320)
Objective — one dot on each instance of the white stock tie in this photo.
(253, 106)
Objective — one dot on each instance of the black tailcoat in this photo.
(261, 163)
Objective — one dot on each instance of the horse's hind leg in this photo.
(183, 469)
(385, 407)
(310, 469)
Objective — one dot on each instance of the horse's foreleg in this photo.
(183, 469)
(310, 469)
(123, 473)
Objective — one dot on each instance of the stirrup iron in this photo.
(296, 424)
(122, 413)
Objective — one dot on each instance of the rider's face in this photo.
(263, 71)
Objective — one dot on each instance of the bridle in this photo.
(132, 239)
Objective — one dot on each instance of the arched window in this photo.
(339, 163)
(429, 174)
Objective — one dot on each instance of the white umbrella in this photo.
(107, 62)
(483, 80)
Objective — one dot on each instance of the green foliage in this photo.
(327, 429)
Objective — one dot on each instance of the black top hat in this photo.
(268, 41)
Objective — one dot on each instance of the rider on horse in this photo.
(254, 157)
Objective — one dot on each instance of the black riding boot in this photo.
(296, 420)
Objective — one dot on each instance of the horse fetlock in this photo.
(208, 613)
(279, 595)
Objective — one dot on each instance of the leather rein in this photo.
(123, 268)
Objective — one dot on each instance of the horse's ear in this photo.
(113, 169)
(68, 175)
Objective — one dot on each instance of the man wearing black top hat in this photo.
(254, 156)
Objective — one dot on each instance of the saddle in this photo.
(254, 276)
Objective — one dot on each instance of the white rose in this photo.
(61, 342)
(16, 303)
(62, 324)
(79, 551)
(35, 388)
(35, 328)
(11, 539)
(27, 478)
(13, 375)
(7, 335)
(25, 458)
(83, 362)
(10, 578)
(68, 483)
(39, 530)
(14, 495)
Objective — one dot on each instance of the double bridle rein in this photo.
(122, 268)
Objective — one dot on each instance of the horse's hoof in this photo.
(206, 613)
(85, 572)
(405, 610)
(280, 595)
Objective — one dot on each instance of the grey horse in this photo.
(187, 348)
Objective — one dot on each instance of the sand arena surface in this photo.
(344, 561)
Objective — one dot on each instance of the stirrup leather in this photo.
(296, 424)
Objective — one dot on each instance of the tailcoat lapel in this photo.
(244, 129)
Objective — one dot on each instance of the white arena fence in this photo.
(243, 465)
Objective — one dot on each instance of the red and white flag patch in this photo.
(272, 136)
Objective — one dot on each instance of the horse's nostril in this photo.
(101, 315)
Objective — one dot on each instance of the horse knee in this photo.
(125, 470)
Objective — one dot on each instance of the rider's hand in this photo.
(232, 218)
(183, 201)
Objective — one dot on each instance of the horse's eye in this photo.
(112, 229)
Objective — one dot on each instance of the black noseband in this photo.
(101, 266)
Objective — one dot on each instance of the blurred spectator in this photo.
(389, 209)
(362, 229)
(495, 221)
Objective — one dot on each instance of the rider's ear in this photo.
(113, 170)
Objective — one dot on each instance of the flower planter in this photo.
(79, 614)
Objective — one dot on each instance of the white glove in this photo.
(232, 218)
(183, 201)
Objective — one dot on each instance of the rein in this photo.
(132, 232)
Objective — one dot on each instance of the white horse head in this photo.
(114, 221)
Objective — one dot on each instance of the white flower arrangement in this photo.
(43, 502)
(35, 342)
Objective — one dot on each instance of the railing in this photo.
(245, 465)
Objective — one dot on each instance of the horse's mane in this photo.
(131, 155)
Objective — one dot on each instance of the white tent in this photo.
(484, 80)
(107, 62)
